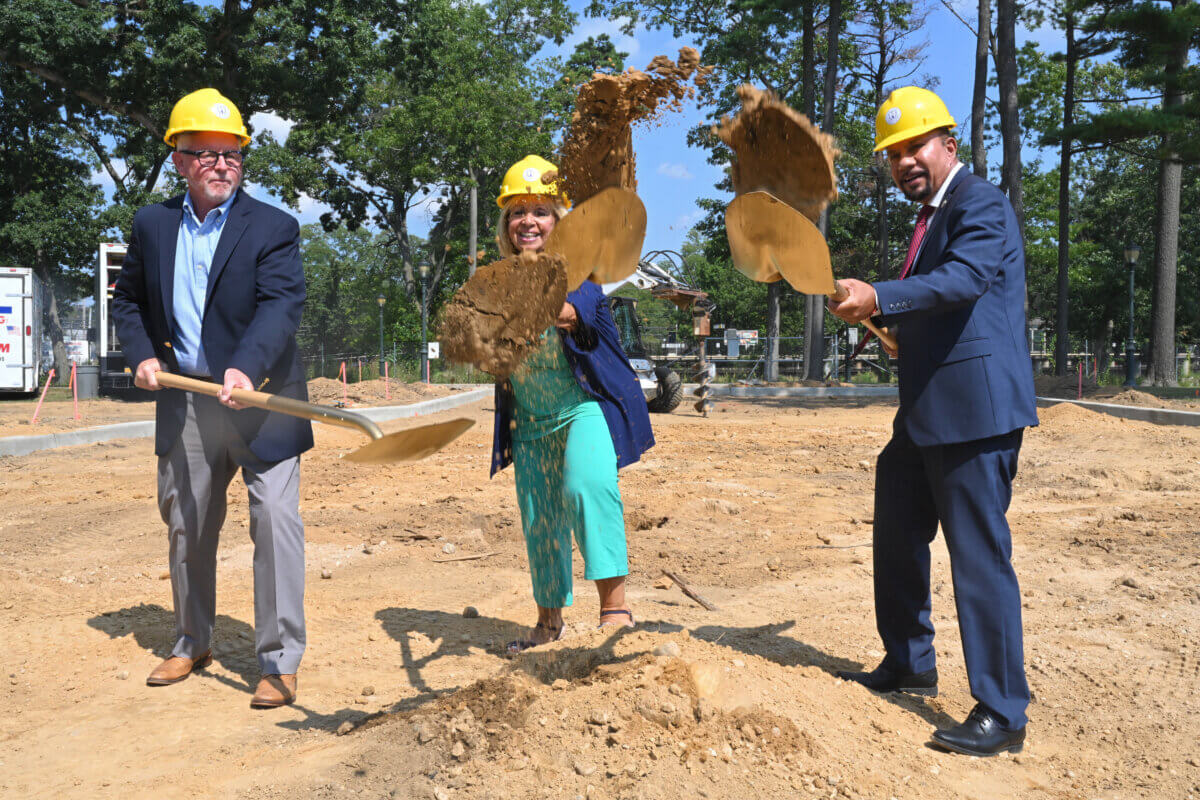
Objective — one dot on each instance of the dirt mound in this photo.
(598, 713)
(780, 151)
(1062, 386)
(1070, 418)
(1132, 397)
(328, 392)
(494, 320)
(598, 149)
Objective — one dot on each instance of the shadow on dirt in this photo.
(153, 628)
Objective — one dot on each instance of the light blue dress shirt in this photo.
(194, 251)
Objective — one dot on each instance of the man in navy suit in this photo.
(966, 396)
(212, 286)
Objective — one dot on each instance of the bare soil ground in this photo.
(764, 507)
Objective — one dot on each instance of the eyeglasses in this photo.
(208, 158)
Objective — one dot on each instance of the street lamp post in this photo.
(381, 300)
(423, 269)
(1131, 366)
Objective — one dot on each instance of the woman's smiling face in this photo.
(530, 220)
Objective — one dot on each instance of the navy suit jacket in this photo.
(602, 370)
(965, 371)
(251, 313)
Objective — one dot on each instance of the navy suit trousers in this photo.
(966, 487)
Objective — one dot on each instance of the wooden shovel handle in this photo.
(273, 402)
(840, 294)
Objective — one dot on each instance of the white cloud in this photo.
(612, 27)
(267, 122)
(677, 171)
(685, 222)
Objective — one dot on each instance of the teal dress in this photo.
(566, 476)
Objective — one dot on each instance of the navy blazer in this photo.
(602, 371)
(251, 313)
(965, 371)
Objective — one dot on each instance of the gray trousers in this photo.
(193, 478)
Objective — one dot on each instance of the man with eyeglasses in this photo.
(966, 397)
(212, 287)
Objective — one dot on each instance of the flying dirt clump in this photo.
(598, 149)
(778, 150)
(495, 319)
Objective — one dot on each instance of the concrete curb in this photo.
(1157, 416)
(24, 445)
(731, 390)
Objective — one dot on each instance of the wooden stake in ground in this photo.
(688, 590)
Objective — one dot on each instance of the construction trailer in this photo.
(20, 330)
(113, 374)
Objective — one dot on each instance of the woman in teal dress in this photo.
(567, 419)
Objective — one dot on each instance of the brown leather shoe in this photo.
(176, 668)
(274, 691)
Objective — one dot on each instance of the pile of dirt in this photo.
(328, 392)
(495, 318)
(597, 151)
(778, 150)
(599, 714)
(1132, 397)
(1068, 417)
(1062, 386)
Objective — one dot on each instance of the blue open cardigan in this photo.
(602, 372)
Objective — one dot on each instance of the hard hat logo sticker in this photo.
(531, 174)
(220, 110)
(892, 116)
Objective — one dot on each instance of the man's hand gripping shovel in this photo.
(412, 444)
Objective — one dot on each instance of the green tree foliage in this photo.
(49, 209)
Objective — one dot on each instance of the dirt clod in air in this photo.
(598, 149)
(779, 150)
(495, 318)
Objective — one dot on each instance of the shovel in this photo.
(770, 240)
(601, 238)
(412, 444)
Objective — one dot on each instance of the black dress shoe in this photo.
(981, 735)
(884, 680)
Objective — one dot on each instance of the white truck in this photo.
(20, 330)
(109, 259)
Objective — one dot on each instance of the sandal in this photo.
(610, 612)
(518, 646)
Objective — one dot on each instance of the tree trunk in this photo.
(814, 319)
(1104, 349)
(1166, 252)
(1166, 249)
(1062, 303)
(771, 356)
(1010, 122)
(882, 181)
(979, 97)
(62, 367)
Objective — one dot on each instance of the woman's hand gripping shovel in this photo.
(412, 444)
(770, 240)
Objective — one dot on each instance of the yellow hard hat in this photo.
(206, 110)
(908, 112)
(525, 177)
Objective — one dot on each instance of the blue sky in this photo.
(671, 175)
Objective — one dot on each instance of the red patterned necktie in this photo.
(918, 234)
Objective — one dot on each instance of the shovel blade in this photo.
(411, 444)
(602, 238)
(769, 239)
